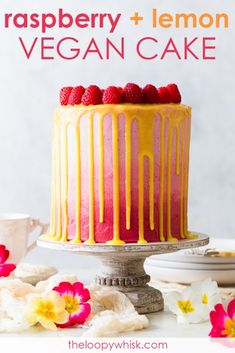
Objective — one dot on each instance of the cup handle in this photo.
(35, 222)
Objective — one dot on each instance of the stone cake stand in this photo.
(123, 266)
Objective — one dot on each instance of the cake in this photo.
(120, 166)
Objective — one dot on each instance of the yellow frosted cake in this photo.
(120, 165)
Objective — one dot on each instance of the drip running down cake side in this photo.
(120, 168)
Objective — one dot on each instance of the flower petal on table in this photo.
(65, 288)
(78, 287)
(67, 324)
(4, 254)
(216, 332)
(83, 296)
(209, 286)
(218, 316)
(190, 318)
(189, 293)
(231, 309)
(62, 317)
(81, 316)
(31, 317)
(213, 300)
(171, 300)
(47, 324)
(6, 269)
(56, 299)
(34, 301)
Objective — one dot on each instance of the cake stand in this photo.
(123, 266)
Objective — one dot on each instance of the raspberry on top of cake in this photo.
(131, 93)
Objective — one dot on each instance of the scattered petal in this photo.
(6, 269)
(47, 324)
(223, 323)
(65, 288)
(218, 316)
(81, 316)
(84, 296)
(4, 254)
(231, 309)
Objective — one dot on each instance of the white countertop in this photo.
(162, 324)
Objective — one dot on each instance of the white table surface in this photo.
(162, 324)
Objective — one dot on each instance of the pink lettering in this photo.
(206, 47)
(187, 48)
(45, 47)
(48, 24)
(110, 44)
(28, 52)
(75, 50)
(63, 17)
(143, 40)
(7, 18)
(170, 48)
(95, 49)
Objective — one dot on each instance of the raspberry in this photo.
(92, 95)
(132, 93)
(174, 93)
(120, 90)
(164, 95)
(112, 95)
(150, 94)
(76, 95)
(64, 95)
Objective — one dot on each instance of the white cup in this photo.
(15, 229)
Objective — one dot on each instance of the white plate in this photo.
(154, 261)
(188, 276)
(196, 255)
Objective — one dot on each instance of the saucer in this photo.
(187, 266)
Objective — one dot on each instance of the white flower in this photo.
(208, 293)
(194, 303)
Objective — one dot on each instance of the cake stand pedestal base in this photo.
(123, 266)
(126, 273)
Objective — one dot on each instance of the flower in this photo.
(48, 310)
(194, 303)
(5, 269)
(183, 305)
(207, 292)
(223, 323)
(75, 296)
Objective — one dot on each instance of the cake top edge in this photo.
(170, 110)
(124, 106)
(114, 95)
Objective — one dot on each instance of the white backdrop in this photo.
(29, 93)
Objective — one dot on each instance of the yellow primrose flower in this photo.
(48, 310)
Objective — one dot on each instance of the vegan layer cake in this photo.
(120, 165)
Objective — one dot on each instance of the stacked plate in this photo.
(216, 260)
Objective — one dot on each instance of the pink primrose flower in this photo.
(5, 269)
(76, 297)
(223, 322)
